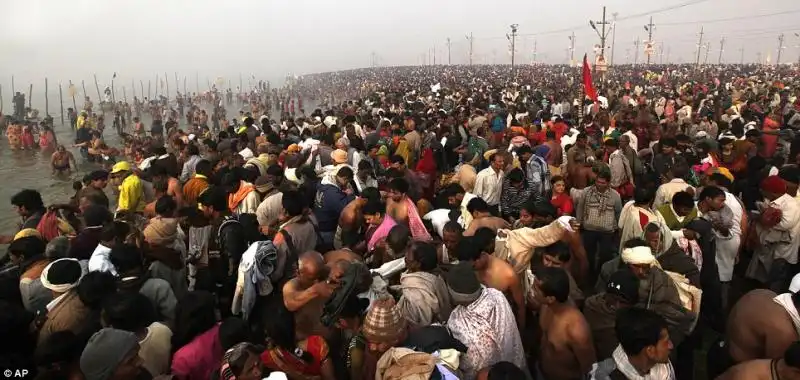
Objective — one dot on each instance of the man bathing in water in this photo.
(61, 159)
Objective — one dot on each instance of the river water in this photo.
(30, 169)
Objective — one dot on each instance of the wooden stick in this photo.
(46, 99)
(113, 93)
(30, 96)
(166, 78)
(124, 94)
(177, 83)
(61, 100)
(83, 84)
(13, 91)
(157, 86)
(141, 84)
(148, 90)
(184, 85)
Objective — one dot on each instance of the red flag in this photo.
(588, 87)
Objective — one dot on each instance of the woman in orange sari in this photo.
(770, 141)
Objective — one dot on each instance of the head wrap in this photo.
(293, 148)
(383, 322)
(774, 184)
(27, 232)
(339, 156)
(233, 354)
(541, 151)
(463, 284)
(161, 231)
(106, 349)
(638, 255)
(62, 275)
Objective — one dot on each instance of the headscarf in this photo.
(463, 284)
(384, 322)
(665, 237)
(105, 351)
(62, 275)
(638, 256)
(234, 354)
(161, 231)
(774, 184)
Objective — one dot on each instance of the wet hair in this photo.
(484, 238)
(203, 167)
(215, 197)
(192, 150)
(680, 170)
(373, 207)
(115, 231)
(354, 307)
(126, 258)
(371, 194)
(683, 199)
(232, 331)
(792, 355)
(710, 192)
(505, 371)
(30, 199)
(638, 328)
(467, 250)
(95, 288)
(293, 203)
(720, 180)
(554, 283)
(611, 143)
(161, 185)
(345, 172)
(652, 228)
(129, 311)
(27, 247)
(425, 254)
(643, 195)
(604, 174)
(96, 215)
(452, 190)
(516, 175)
(280, 328)
(194, 315)
(453, 226)
(166, 206)
(398, 238)
(669, 142)
(398, 184)
(635, 242)
(542, 209)
(559, 250)
(477, 204)
(397, 159)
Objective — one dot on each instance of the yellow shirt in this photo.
(131, 194)
(81, 121)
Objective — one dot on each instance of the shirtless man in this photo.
(482, 218)
(567, 348)
(579, 162)
(787, 367)
(305, 294)
(351, 219)
(492, 271)
(396, 201)
(540, 214)
(174, 187)
(760, 328)
(452, 233)
(60, 161)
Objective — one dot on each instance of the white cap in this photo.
(794, 287)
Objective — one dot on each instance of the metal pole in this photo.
(97, 87)
(513, 46)
(72, 91)
(636, 51)
(613, 37)
(699, 46)
(113, 93)
(46, 98)
(13, 90)
(780, 49)
(471, 39)
(448, 51)
(30, 96)
(649, 37)
(148, 90)
(141, 86)
(721, 46)
(83, 85)
(61, 100)
(197, 81)
(124, 94)
(741, 55)
(166, 78)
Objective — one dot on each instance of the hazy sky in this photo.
(72, 39)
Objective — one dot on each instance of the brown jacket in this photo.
(69, 314)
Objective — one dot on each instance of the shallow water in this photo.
(30, 169)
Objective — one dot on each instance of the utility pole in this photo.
(758, 57)
(721, 47)
(636, 51)
(448, 51)
(699, 46)
(780, 49)
(470, 39)
(600, 33)
(513, 38)
(741, 55)
(649, 29)
(434, 55)
(668, 55)
(534, 50)
(372, 59)
(613, 36)
(660, 54)
(708, 47)
(572, 49)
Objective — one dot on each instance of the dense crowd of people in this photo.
(440, 222)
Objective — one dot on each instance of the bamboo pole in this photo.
(166, 79)
(184, 85)
(74, 104)
(141, 84)
(30, 96)
(83, 84)
(113, 93)
(177, 83)
(148, 90)
(97, 87)
(61, 101)
(13, 90)
(46, 98)
(124, 95)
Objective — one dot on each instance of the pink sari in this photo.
(381, 232)
(418, 230)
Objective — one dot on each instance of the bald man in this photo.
(786, 367)
(305, 294)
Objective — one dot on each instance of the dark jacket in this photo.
(675, 260)
(85, 243)
(328, 206)
(601, 317)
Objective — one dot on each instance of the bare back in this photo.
(567, 350)
(351, 217)
(759, 328)
(752, 370)
(398, 211)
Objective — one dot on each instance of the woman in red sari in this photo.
(304, 359)
(426, 171)
(770, 141)
(561, 199)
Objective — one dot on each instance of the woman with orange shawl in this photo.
(770, 141)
